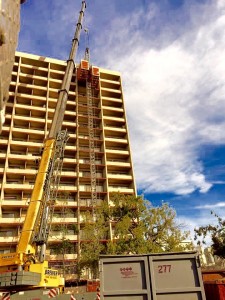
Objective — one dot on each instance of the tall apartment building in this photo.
(32, 98)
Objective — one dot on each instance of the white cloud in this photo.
(173, 76)
(174, 93)
(211, 206)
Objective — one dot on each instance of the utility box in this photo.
(164, 276)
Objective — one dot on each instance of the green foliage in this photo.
(125, 215)
(64, 246)
(93, 235)
(217, 234)
(137, 228)
(162, 233)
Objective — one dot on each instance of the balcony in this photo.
(105, 83)
(62, 220)
(118, 151)
(120, 176)
(118, 163)
(22, 171)
(87, 188)
(72, 174)
(114, 129)
(116, 140)
(14, 203)
(69, 160)
(121, 189)
(67, 188)
(60, 257)
(88, 202)
(57, 237)
(34, 97)
(106, 92)
(18, 186)
(27, 144)
(87, 161)
(108, 120)
(8, 239)
(25, 108)
(12, 221)
(67, 202)
(112, 111)
(33, 120)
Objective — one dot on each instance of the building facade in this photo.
(33, 95)
(9, 30)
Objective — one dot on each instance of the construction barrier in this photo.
(215, 290)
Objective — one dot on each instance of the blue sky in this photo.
(171, 54)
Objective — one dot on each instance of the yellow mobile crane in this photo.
(27, 268)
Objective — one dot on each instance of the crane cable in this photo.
(87, 42)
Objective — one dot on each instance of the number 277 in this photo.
(164, 268)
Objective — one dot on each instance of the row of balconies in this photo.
(31, 66)
(13, 239)
(38, 123)
(31, 89)
(12, 232)
(23, 168)
(29, 141)
(29, 85)
(57, 71)
(20, 166)
(116, 183)
(41, 73)
(21, 153)
(43, 81)
(55, 221)
(10, 192)
(40, 102)
(10, 202)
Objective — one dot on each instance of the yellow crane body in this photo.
(25, 246)
(27, 268)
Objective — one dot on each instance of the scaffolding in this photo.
(91, 135)
(91, 144)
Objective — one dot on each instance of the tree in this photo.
(216, 233)
(93, 235)
(64, 245)
(143, 228)
(162, 232)
(137, 228)
(125, 214)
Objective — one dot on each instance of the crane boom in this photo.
(63, 93)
